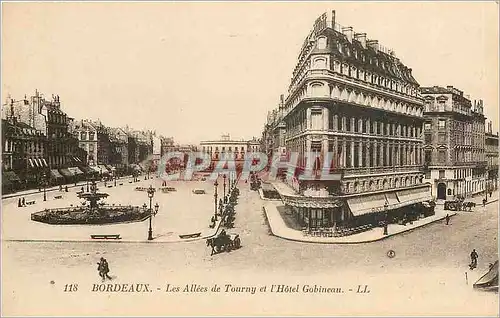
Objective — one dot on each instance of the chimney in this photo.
(373, 44)
(361, 37)
(349, 33)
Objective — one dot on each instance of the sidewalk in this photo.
(56, 188)
(280, 229)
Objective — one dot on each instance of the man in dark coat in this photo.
(103, 268)
(473, 258)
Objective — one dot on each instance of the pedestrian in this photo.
(66, 188)
(484, 203)
(19, 204)
(103, 269)
(24, 202)
(473, 258)
(60, 188)
(447, 219)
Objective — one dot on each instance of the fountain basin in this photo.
(104, 214)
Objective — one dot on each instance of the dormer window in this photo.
(321, 44)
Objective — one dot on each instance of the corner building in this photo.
(354, 98)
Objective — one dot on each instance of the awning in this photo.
(310, 202)
(76, 159)
(95, 168)
(110, 168)
(411, 196)
(37, 162)
(87, 170)
(367, 204)
(10, 177)
(392, 199)
(55, 174)
(103, 169)
(65, 172)
(75, 170)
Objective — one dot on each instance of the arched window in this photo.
(319, 63)
(318, 89)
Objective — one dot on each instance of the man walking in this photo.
(473, 258)
(103, 269)
(447, 219)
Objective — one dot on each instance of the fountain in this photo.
(92, 211)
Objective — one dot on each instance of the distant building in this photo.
(23, 162)
(234, 149)
(491, 145)
(454, 135)
(118, 148)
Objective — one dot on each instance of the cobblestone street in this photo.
(430, 262)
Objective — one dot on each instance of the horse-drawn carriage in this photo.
(458, 205)
(224, 242)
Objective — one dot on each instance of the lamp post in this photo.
(88, 178)
(115, 178)
(385, 219)
(224, 177)
(44, 175)
(215, 199)
(151, 193)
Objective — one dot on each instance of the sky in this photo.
(197, 70)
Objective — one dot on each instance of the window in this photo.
(321, 43)
(441, 174)
(316, 119)
(428, 138)
(319, 63)
(442, 124)
(83, 135)
(427, 126)
(91, 135)
(442, 138)
(442, 156)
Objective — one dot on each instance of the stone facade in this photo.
(354, 99)
(454, 135)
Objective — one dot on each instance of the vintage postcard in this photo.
(250, 158)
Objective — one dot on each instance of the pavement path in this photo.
(181, 212)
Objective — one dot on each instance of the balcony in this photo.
(379, 170)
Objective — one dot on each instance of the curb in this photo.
(357, 242)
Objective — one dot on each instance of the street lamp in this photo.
(215, 198)
(224, 177)
(385, 221)
(115, 178)
(44, 175)
(151, 193)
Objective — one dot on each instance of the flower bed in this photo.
(82, 215)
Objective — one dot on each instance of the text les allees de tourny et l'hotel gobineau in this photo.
(228, 288)
(254, 162)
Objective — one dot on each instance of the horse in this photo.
(219, 243)
(469, 205)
